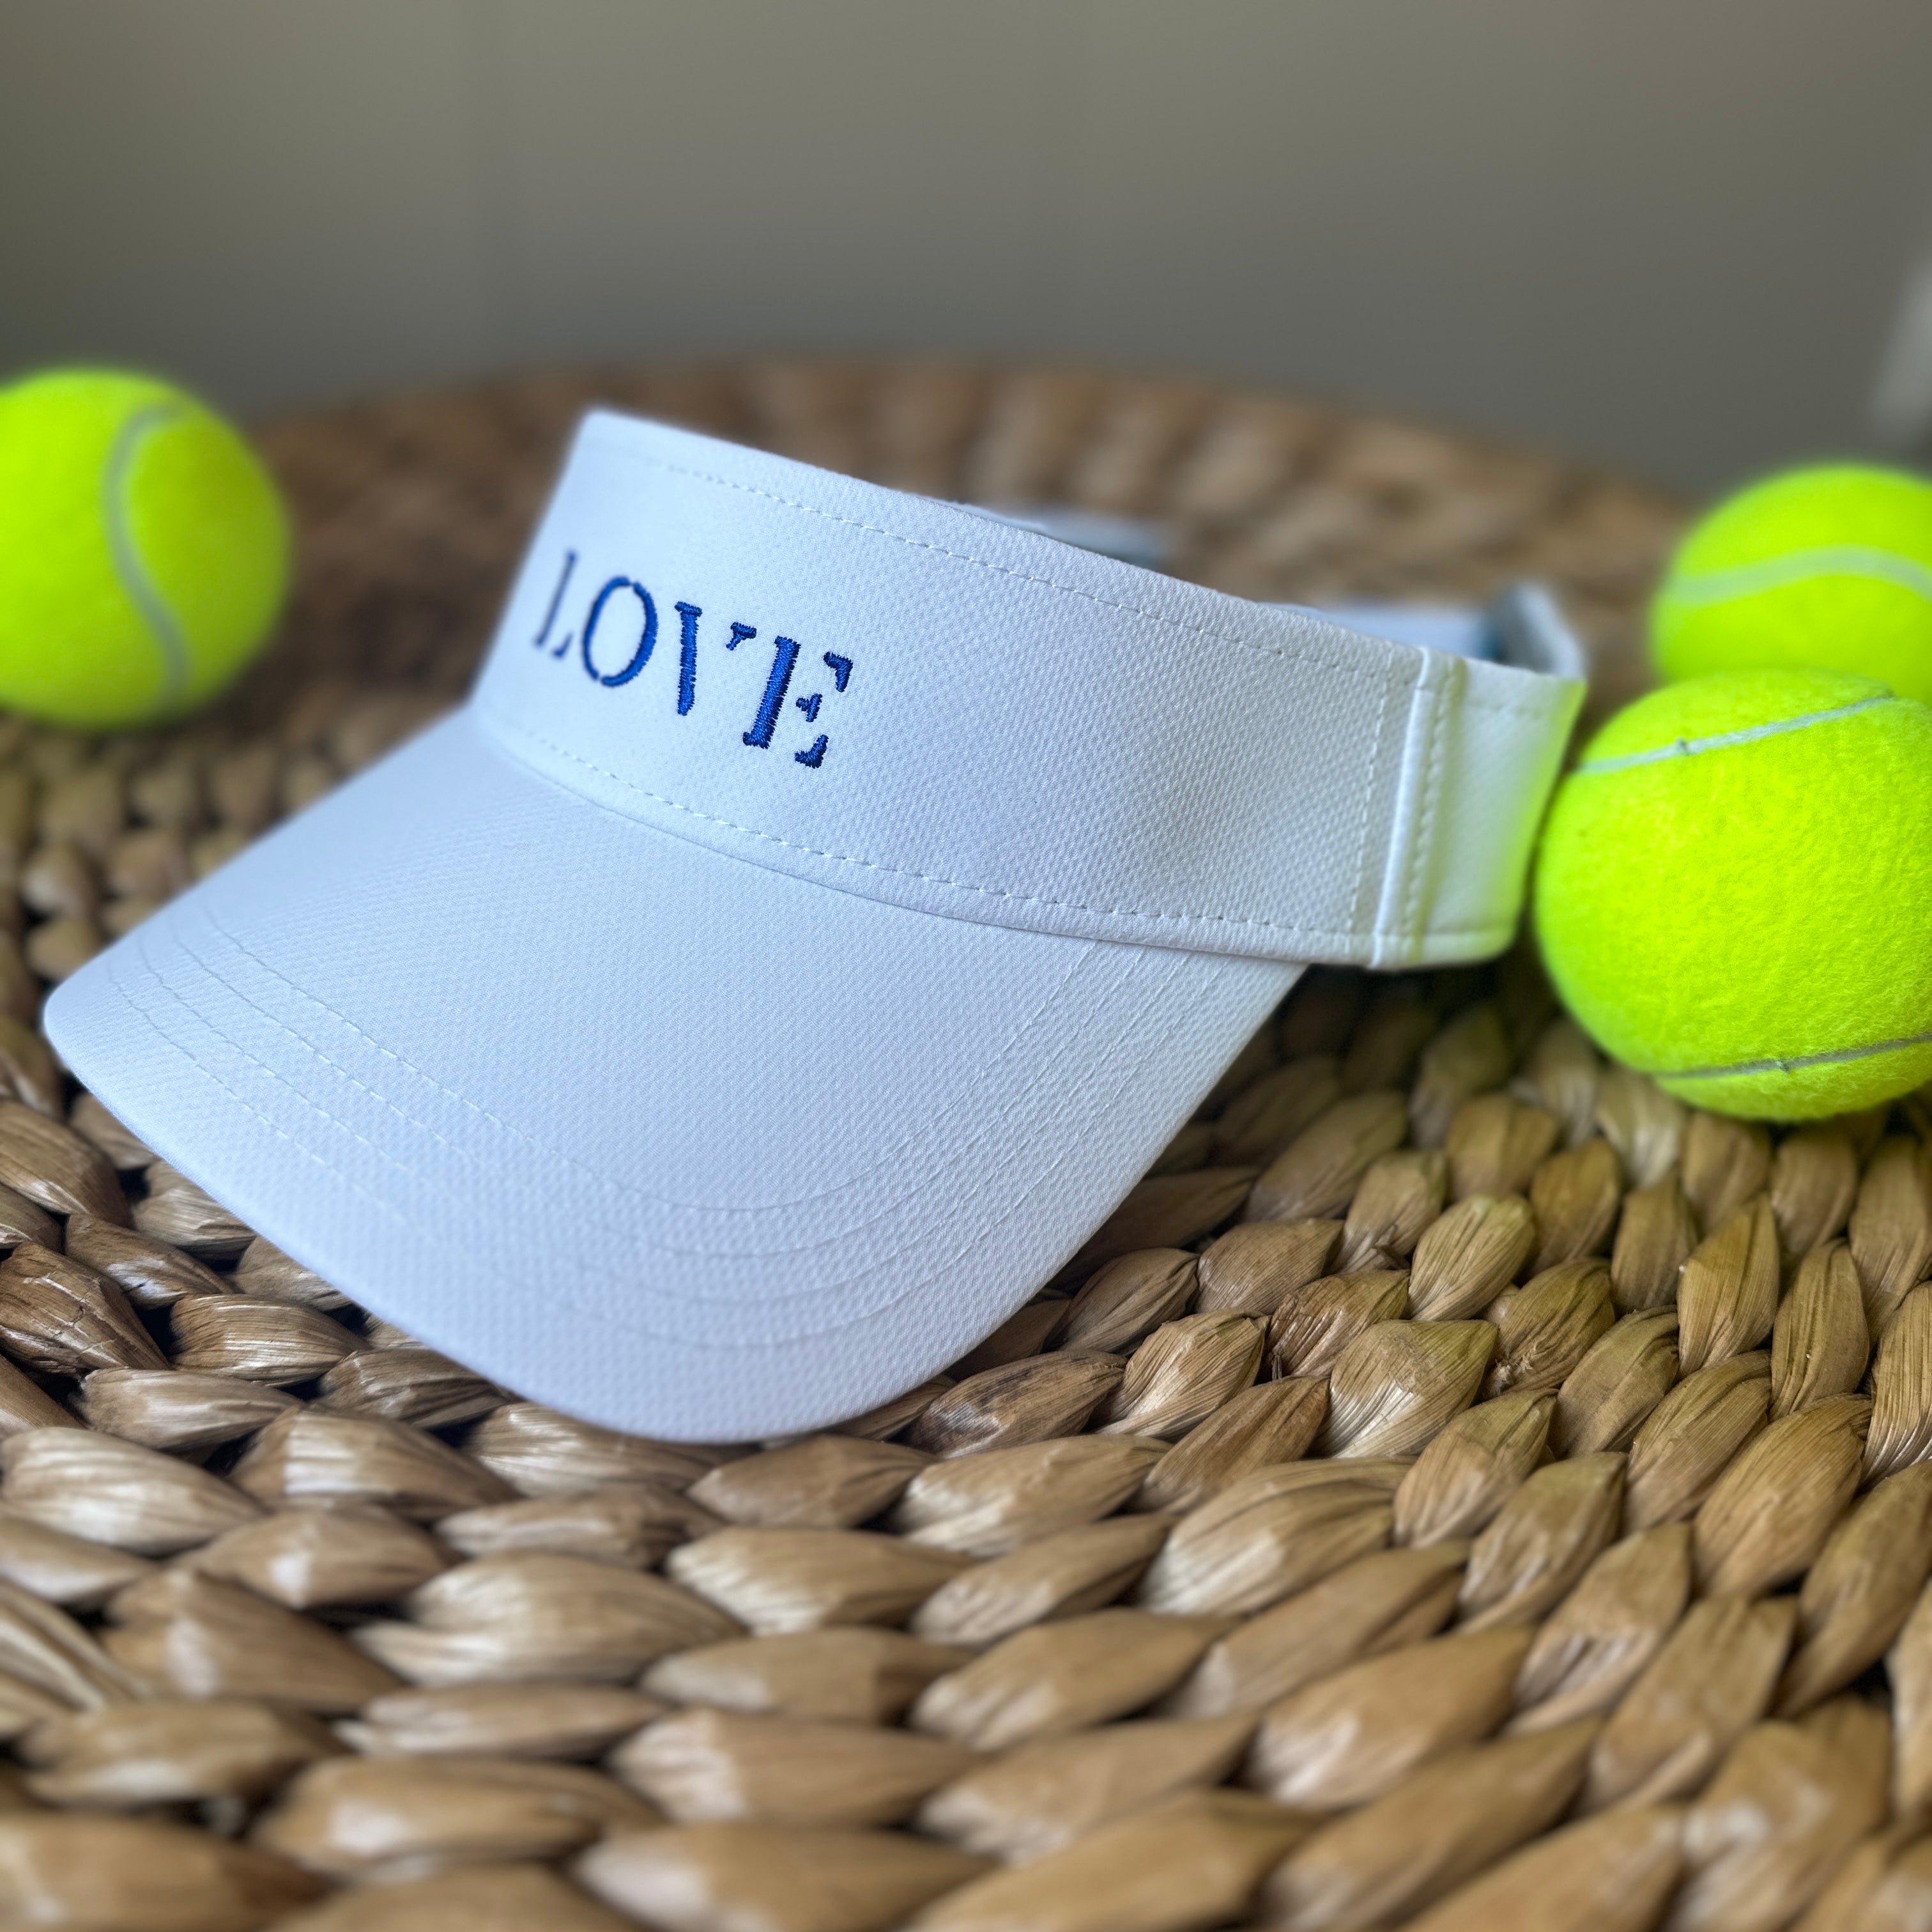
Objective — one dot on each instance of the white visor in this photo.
(827, 904)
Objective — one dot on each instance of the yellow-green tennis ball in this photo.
(1734, 891)
(1830, 566)
(144, 551)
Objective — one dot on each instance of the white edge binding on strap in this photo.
(1450, 811)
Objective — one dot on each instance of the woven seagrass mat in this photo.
(1458, 1487)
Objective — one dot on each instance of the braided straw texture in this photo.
(1458, 1487)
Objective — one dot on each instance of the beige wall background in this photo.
(1673, 234)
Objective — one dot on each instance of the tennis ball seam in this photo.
(1750, 734)
(1800, 566)
(147, 598)
(1840, 1056)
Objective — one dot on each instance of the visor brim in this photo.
(664, 1138)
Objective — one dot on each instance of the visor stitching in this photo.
(544, 1146)
(1347, 669)
(1493, 928)
(600, 1318)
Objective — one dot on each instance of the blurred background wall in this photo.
(1672, 234)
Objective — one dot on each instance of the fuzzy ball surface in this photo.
(1733, 892)
(144, 550)
(1829, 566)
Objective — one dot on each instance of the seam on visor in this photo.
(1357, 896)
(599, 1318)
(611, 1182)
(1498, 929)
(1421, 851)
(1502, 708)
(660, 1244)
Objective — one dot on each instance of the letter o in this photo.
(641, 656)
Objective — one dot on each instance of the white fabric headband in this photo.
(899, 698)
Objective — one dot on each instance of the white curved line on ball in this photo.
(1798, 566)
(127, 564)
(1838, 1057)
(1689, 748)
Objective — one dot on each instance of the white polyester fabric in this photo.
(827, 905)
(1014, 730)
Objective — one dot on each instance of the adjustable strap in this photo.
(890, 696)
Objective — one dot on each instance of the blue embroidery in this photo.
(687, 658)
(556, 598)
(841, 669)
(771, 705)
(641, 656)
(784, 656)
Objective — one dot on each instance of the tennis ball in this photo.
(1830, 566)
(1733, 891)
(144, 552)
